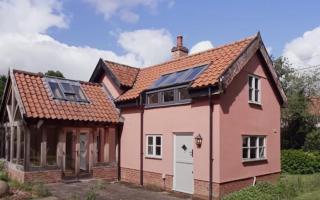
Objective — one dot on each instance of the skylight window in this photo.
(66, 90)
(179, 77)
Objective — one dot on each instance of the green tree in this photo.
(312, 141)
(3, 80)
(54, 73)
(299, 86)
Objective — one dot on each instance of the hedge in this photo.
(300, 162)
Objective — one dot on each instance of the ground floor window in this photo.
(253, 147)
(154, 146)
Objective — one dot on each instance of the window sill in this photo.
(254, 160)
(168, 104)
(255, 103)
(153, 157)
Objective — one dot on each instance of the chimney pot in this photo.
(179, 50)
(179, 41)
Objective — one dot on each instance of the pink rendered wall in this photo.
(114, 90)
(166, 121)
(238, 117)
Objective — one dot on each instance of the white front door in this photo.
(83, 151)
(183, 163)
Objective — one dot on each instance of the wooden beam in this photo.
(77, 158)
(18, 143)
(43, 158)
(9, 114)
(61, 149)
(11, 143)
(106, 145)
(26, 148)
(6, 143)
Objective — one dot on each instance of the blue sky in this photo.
(217, 21)
(41, 35)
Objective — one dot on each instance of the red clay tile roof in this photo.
(38, 103)
(314, 106)
(124, 73)
(220, 58)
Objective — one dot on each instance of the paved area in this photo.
(108, 191)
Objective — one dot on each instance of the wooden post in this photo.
(116, 144)
(18, 144)
(7, 143)
(61, 149)
(91, 139)
(106, 145)
(77, 159)
(11, 143)
(43, 158)
(26, 149)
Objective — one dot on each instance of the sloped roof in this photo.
(220, 59)
(124, 73)
(38, 102)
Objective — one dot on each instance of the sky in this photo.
(71, 35)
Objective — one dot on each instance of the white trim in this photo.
(256, 147)
(254, 89)
(154, 145)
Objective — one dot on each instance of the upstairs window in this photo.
(170, 96)
(66, 90)
(253, 148)
(254, 89)
(154, 146)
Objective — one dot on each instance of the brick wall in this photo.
(103, 172)
(149, 178)
(130, 175)
(48, 176)
(201, 188)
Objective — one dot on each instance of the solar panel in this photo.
(193, 73)
(178, 77)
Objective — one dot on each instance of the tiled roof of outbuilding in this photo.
(124, 73)
(38, 103)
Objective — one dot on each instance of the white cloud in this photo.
(124, 8)
(201, 46)
(305, 50)
(30, 16)
(150, 45)
(31, 49)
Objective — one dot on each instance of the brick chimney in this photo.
(179, 50)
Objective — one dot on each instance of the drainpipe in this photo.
(210, 143)
(141, 140)
(119, 151)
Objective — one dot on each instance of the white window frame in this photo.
(154, 145)
(253, 90)
(256, 148)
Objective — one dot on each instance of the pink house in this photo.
(205, 124)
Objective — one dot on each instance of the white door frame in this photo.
(174, 158)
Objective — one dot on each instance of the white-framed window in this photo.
(253, 148)
(254, 89)
(154, 146)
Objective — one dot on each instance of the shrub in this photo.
(300, 162)
(91, 194)
(262, 191)
(40, 190)
(312, 141)
(2, 165)
(4, 176)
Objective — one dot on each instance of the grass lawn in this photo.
(309, 196)
(289, 187)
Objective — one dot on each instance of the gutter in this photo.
(141, 140)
